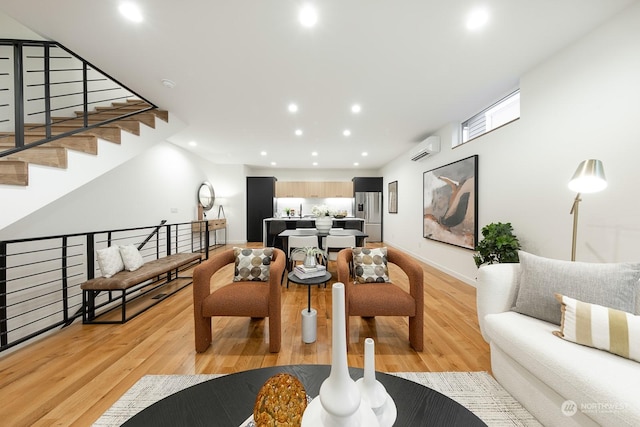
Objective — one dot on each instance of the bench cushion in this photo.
(126, 279)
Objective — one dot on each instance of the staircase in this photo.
(14, 168)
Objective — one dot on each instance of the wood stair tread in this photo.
(14, 172)
(161, 114)
(80, 142)
(108, 133)
(45, 156)
(131, 126)
(146, 118)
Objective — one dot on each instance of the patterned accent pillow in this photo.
(600, 327)
(110, 261)
(370, 265)
(252, 264)
(131, 257)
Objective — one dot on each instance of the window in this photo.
(502, 112)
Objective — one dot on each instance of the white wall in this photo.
(582, 103)
(161, 183)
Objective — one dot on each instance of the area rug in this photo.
(477, 391)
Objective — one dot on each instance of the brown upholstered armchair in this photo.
(386, 299)
(245, 299)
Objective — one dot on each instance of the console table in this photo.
(211, 225)
(229, 400)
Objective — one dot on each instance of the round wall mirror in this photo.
(206, 195)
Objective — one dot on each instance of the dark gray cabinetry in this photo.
(367, 184)
(261, 192)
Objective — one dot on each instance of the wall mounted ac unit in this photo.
(428, 146)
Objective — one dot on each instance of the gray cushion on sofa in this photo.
(612, 285)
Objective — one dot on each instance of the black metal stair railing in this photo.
(45, 89)
(40, 277)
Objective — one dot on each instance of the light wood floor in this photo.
(74, 375)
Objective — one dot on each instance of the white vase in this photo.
(373, 392)
(310, 261)
(340, 403)
(323, 224)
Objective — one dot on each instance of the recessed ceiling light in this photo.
(346, 132)
(193, 143)
(263, 153)
(293, 108)
(356, 108)
(314, 153)
(299, 132)
(273, 163)
(131, 12)
(315, 163)
(365, 154)
(477, 19)
(308, 16)
(356, 164)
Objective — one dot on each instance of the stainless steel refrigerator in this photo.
(369, 208)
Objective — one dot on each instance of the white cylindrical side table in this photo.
(309, 325)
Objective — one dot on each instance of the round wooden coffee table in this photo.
(228, 400)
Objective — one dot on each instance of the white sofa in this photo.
(547, 374)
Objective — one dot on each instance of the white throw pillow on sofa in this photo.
(131, 257)
(110, 261)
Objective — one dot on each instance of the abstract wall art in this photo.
(393, 197)
(450, 203)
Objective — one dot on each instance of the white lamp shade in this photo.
(589, 177)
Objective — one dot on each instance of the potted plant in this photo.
(498, 245)
(310, 254)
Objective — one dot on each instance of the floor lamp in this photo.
(588, 178)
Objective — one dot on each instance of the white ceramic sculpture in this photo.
(340, 403)
(373, 392)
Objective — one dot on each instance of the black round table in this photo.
(228, 401)
(309, 282)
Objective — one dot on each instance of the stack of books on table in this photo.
(308, 272)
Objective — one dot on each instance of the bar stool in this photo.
(276, 227)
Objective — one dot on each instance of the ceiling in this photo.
(412, 65)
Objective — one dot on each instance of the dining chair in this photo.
(298, 242)
(335, 244)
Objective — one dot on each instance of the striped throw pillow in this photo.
(593, 325)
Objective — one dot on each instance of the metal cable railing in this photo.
(47, 93)
(40, 277)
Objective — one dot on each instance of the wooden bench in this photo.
(134, 284)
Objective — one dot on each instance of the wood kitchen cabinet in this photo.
(314, 189)
(289, 189)
(338, 189)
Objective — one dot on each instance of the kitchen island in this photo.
(291, 223)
